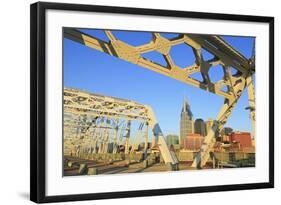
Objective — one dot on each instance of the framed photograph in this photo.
(129, 102)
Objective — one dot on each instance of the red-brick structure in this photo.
(244, 138)
(192, 141)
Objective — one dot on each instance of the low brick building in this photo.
(192, 142)
(243, 138)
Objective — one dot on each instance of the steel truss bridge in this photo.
(238, 72)
(100, 113)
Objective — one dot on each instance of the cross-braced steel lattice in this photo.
(91, 106)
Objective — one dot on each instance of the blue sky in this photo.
(94, 71)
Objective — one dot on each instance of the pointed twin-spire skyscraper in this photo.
(186, 121)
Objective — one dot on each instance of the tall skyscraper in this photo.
(200, 127)
(186, 123)
(227, 131)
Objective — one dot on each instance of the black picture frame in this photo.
(38, 100)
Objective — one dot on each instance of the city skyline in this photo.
(84, 66)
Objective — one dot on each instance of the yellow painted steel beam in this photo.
(83, 103)
(132, 54)
(226, 56)
(252, 104)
